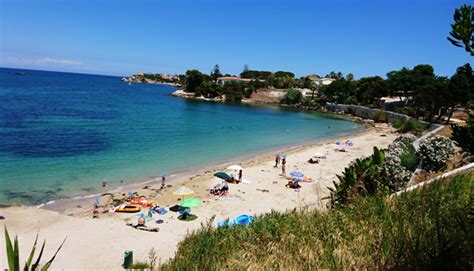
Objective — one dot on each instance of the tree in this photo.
(335, 75)
(370, 88)
(216, 73)
(462, 29)
(208, 89)
(349, 77)
(234, 91)
(461, 88)
(193, 79)
(292, 96)
(284, 74)
(340, 91)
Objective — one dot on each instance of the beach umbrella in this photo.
(164, 174)
(235, 167)
(190, 203)
(297, 174)
(223, 175)
(183, 191)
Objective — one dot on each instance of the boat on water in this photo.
(20, 73)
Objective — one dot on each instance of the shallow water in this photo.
(62, 134)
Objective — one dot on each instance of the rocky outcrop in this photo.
(165, 79)
(190, 95)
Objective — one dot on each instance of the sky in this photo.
(115, 37)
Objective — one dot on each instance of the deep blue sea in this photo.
(62, 134)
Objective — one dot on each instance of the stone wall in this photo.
(363, 112)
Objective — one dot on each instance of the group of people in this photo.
(281, 158)
(220, 189)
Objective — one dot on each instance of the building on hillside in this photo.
(307, 93)
(169, 77)
(320, 81)
(392, 101)
(225, 79)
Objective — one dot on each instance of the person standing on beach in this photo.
(240, 176)
(277, 160)
(95, 211)
(283, 164)
(163, 181)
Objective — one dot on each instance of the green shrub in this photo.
(409, 158)
(429, 228)
(362, 177)
(380, 116)
(409, 125)
(464, 135)
(292, 96)
(140, 266)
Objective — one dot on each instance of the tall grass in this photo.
(431, 228)
(410, 125)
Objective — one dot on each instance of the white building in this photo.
(225, 79)
(320, 81)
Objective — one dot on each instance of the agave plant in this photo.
(13, 255)
(362, 177)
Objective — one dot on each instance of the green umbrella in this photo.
(191, 202)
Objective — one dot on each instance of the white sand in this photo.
(99, 244)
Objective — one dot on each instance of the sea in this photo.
(63, 134)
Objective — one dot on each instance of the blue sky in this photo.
(123, 37)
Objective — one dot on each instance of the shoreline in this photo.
(62, 204)
(262, 191)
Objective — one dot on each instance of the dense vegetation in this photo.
(421, 91)
(430, 228)
(464, 135)
(410, 125)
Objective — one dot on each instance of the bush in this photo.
(208, 89)
(434, 152)
(402, 148)
(429, 228)
(292, 96)
(363, 177)
(397, 175)
(464, 135)
(380, 116)
(409, 158)
(406, 139)
(138, 265)
(409, 125)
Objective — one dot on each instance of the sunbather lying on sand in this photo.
(220, 189)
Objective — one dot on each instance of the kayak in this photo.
(128, 209)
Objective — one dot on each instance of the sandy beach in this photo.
(99, 244)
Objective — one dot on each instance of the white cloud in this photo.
(47, 60)
(42, 61)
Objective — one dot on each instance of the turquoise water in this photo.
(62, 134)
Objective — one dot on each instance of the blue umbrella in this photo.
(296, 174)
(164, 174)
